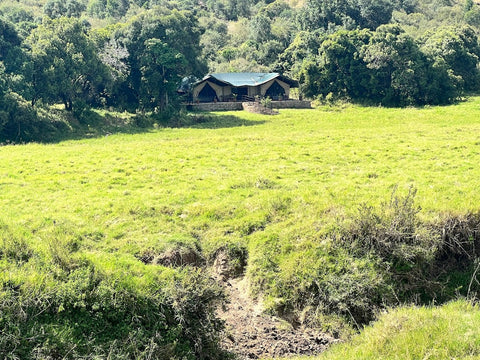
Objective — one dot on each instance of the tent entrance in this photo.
(275, 91)
(240, 92)
(207, 94)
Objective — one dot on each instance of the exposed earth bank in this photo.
(251, 334)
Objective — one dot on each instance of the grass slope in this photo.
(446, 332)
(269, 186)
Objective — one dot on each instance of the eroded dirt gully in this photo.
(252, 334)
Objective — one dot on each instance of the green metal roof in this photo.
(245, 79)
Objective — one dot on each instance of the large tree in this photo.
(399, 66)
(457, 49)
(58, 8)
(339, 68)
(162, 44)
(66, 65)
(10, 51)
(159, 66)
(330, 15)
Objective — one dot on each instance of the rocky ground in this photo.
(251, 334)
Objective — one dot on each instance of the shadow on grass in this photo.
(91, 124)
(214, 121)
(56, 125)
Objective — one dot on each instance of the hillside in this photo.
(331, 214)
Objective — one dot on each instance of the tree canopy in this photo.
(133, 54)
(66, 66)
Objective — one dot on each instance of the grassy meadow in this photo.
(80, 216)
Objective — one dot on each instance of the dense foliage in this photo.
(389, 67)
(131, 54)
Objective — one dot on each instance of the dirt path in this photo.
(253, 335)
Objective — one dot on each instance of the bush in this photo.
(21, 122)
(318, 279)
(381, 256)
(426, 261)
(86, 311)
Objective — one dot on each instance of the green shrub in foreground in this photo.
(96, 308)
(380, 256)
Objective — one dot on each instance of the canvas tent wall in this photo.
(227, 86)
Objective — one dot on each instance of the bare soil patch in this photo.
(252, 334)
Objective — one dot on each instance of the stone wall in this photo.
(228, 106)
(258, 108)
(219, 106)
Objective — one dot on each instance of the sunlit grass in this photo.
(138, 189)
(447, 332)
(267, 185)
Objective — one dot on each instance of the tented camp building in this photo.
(220, 87)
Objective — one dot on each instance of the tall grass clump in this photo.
(379, 256)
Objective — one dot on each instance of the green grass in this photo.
(331, 159)
(321, 162)
(275, 186)
(446, 332)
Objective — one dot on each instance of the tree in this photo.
(160, 67)
(66, 66)
(305, 45)
(236, 9)
(214, 38)
(229, 9)
(268, 52)
(346, 14)
(374, 13)
(97, 8)
(339, 68)
(57, 8)
(260, 29)
(16, 14)
(10, 51)
(383, 67)
(325, 14)
(22, 19)
(456, 49)
(149, 36)
(400, 68)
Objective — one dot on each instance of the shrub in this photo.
(424, 261)
(381, 256)
(87, 311)
(266, 102)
